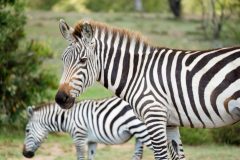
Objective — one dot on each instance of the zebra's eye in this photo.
(27, 130)
(83, 59)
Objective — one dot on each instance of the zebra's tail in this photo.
(234, 107)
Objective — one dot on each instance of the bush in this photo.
(125, 5)
(12, 21)
(227, 135)
(194, 136)
(42, 4)
(224, 135)
(70, 6)
(22, 81)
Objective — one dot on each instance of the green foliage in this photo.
(218, 17)
(227, 135)
(109, 5)
(155, 6)
(195, 136)
(22, 82)
(125, 5)
(12, 21)
(224, 135)
(70, 6)
(42, 4)
(232, 31)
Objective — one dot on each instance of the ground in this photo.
(60, 147)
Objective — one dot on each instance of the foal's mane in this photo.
(43, 105)
(105, 27)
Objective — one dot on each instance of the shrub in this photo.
(42, 4)
(22, 81)
(224, 135)
(194, 136)
(70, 6)
(125, 5)
(227, 135)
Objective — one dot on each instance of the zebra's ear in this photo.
(30, 111)
(87, 32)
(66, 31)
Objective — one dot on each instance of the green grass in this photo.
(61, 147)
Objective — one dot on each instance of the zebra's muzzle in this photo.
(64, 100)
(28, 154)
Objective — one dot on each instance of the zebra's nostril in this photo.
(61, 97)
(65, 98)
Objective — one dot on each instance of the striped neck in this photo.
(53, 118)
(119, 54)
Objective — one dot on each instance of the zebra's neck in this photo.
(120, 58)
(57, 119)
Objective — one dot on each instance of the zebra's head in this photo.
(34, 134)
(79, 60)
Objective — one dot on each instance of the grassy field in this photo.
(60, 147)
(161, 30)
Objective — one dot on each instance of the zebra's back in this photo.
(109, 121)
(204, 87)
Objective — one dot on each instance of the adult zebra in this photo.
(109, 121)
(198, 89)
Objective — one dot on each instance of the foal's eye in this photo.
(83, 59)
(27, 130)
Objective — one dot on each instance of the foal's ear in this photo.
(66, 31)
(87, 32)
(29, 111)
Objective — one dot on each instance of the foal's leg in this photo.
(174, 143)
(138, 150)
(91, 150)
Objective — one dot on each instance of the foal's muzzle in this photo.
(64, 100)
(28, 154)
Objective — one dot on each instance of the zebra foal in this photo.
(165, 87)
(109, 121)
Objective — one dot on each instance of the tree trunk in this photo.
(138, 5)
(175, 6)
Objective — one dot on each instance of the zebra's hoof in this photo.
(136, 158)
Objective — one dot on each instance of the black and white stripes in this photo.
(109, 121)
(199, 89)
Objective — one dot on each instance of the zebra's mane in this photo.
(105, 27)
(43, 105)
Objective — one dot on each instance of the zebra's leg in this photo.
(91, 150)
(156, 120)
(79, 139)
(80, 150)
(175, 143)
(173, 154)
(138, 150)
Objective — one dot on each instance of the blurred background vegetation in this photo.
(31, 46)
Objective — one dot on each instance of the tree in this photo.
(215, 13)
(22, 81)
(175, 6)
(138, 5)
